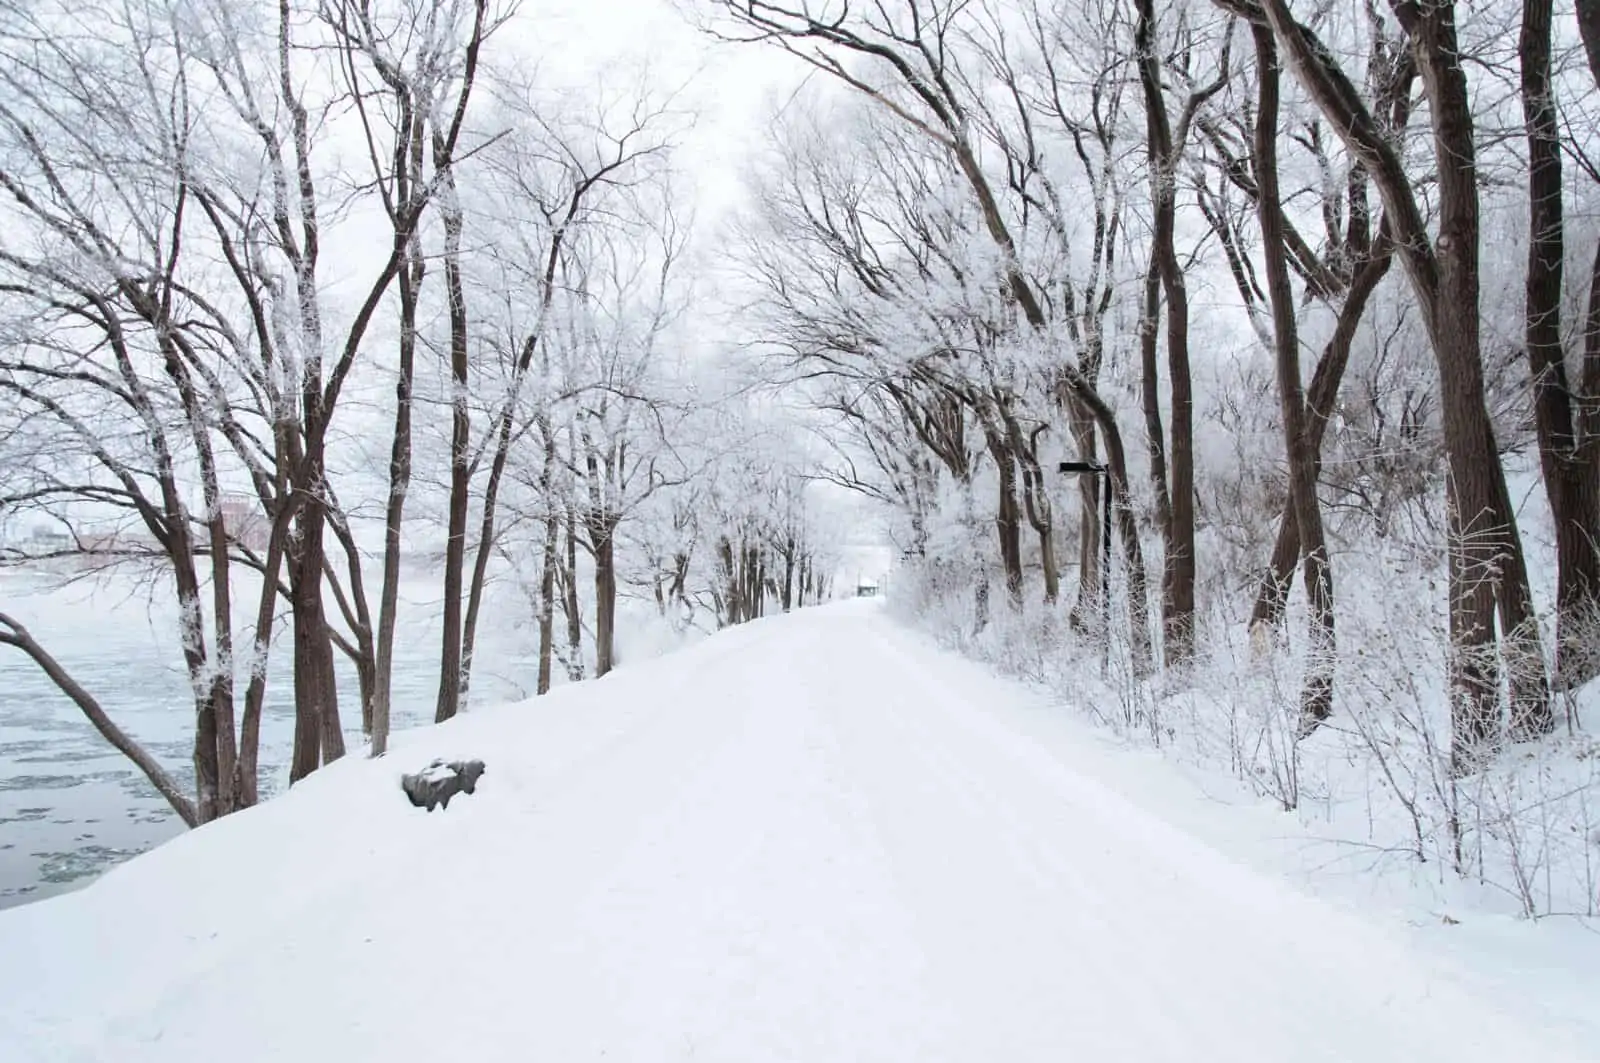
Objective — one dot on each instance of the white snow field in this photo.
(809, 838)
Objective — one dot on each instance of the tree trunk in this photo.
(1571, 468)
(1316, 700)
(788, 576)
(410, 281)
(1489, 558)
(1085, 613)
(247, 783)
(603, 533)
(547, 600)
(575, 668)
(755, 585)
(318, 738)
(1178, 569)
(1150, 396)
(1588, 12)
(455, 551)
(547, 561)
(728, 580)
(1007, 517)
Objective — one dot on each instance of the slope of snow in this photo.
(813, 838)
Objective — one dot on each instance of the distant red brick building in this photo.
(245, 524)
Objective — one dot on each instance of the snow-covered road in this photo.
(811, 838)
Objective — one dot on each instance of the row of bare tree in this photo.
(992, 217)
(341, 260)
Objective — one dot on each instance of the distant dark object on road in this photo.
(440, 781)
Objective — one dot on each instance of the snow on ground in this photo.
(814, 837)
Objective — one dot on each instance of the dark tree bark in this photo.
(407, 176)
(569, 601)
(410, 282)
(318, 737)
(1316, 700)
(548, 562)
(1588, 12)
(728, 571)
(1487, 568)
(788, 574)
(247, 783)
(602, 537)
(451, 670)
(1008, 516)
(1150, 396)
(1569, 457)
(1178, 569)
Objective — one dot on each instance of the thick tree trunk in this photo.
(1588, 12)
(1007, 517)
(1047, 561)
(755, 581)
(788, 576)
(224, 741)
(1178, 569)
(318, 738)
(603, 534)
(1489, 552)
(1316, 701)
(1569, 457)
(729, 581)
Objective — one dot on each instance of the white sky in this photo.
(577, 42)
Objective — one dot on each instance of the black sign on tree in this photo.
(1104, 472)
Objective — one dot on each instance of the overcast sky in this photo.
(577, 41)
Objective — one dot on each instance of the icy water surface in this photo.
(70, 805)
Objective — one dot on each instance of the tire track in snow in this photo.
(784, 934)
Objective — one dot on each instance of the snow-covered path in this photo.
(808, 839)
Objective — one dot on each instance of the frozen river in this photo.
(70, 805)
